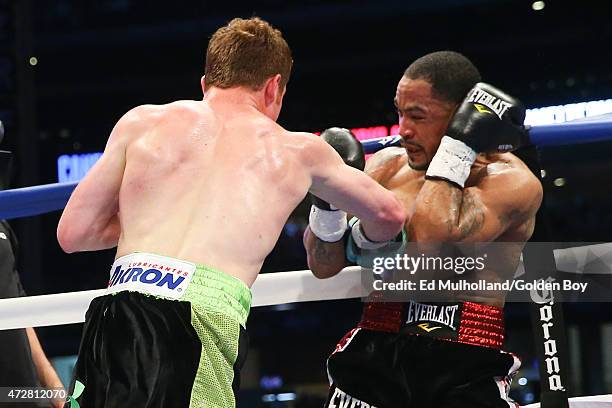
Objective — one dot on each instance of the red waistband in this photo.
(479, 325)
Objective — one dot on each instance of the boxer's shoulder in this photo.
(511, 168)
(181, 108)
(309, 148)
(509, 177)
(390, 157)
(386, 163)
(309, 143)
(141, 115)
(147, 116)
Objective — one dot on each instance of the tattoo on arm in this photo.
(322, 252)
(513, 217)
(470, 215)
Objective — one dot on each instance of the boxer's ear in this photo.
(272, 89)
(203, 84)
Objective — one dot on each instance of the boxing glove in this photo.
(487, 121)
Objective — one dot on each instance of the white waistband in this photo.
(151, 274)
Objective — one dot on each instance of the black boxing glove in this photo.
(487, 121)
(326, 221)
(347, 145)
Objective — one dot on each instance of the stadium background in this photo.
(69, 69)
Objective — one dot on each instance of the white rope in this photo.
(46, 310)
(269, 289)
(302, 286)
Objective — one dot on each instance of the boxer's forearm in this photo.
(388, 224)
(102, 236)
(444, 213)
(325, 259)
(106, 237)
(109, 236)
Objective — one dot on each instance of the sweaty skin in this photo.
(483, 212)
(211, 182)
(498, 203)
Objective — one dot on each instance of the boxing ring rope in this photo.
(591, 131)
(297, 286)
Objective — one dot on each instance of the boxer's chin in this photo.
(418, 163)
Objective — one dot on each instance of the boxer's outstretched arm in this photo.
(444, 212)
(326, 259)
(382, 216)
(90, 220)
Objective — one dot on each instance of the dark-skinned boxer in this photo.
(460, 185)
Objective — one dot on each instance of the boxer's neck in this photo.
(237, 98)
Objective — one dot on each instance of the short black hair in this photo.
(450, 74)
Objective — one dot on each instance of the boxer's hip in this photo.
(172, 329)
(163, 277)
(423, 354)
(372, 368)
(462, 322)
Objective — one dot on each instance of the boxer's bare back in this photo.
(211, 182)
(214, 186)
